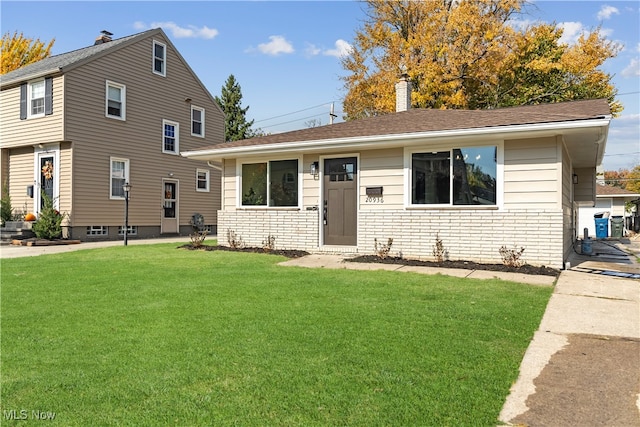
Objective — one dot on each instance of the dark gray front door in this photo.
(340, 210)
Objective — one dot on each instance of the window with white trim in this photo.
(457, 177)
(273, 183)
(132, 230)
(36, 99)
(159, 58)
(115, 100)
(170, 137)
(119, 176)
(197, 121)
(97, 230)
(202, 180)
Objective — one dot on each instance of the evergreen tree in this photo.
(236, 125)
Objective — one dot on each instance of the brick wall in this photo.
(291, 229)
(469, 235)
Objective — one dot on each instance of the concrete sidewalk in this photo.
(11, 251)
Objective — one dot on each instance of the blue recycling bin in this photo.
(602, 228)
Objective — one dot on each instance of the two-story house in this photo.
(79, 125)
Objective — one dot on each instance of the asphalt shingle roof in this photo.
(63, 60)
(427, 120)
(608, 190)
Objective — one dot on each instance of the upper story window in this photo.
(197, 121)
(159, 58)
(115, 101)
(119, 176)
(202, 180)
(36, 98)
(170, 137)
(456, 177)
(273, 183)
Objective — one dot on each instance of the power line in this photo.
(621, 154)
(294, 112)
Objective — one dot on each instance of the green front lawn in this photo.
(153, 335)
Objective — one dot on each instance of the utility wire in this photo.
(295, 112)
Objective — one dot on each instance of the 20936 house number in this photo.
(374, 199)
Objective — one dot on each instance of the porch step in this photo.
(7, 235)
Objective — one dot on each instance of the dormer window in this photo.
(159, 58)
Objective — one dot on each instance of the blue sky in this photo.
(286, 55)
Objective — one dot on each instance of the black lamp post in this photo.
(127, 188)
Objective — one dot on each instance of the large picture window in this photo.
(273, 183)
(461, 176)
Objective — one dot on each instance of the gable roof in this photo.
(610, 191)
(426, 123)
(68, 60)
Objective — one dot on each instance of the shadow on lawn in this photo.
(467, 265)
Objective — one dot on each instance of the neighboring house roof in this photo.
(429, 123)
(609, 191)
(65, 61)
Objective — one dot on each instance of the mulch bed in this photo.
(43, 242)
(467, 265)
(284, 252)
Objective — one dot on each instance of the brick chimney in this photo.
(403, 93)
(104, 37)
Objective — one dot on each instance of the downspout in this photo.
(216, 167)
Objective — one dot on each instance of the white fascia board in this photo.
(394, 139)
(7, 83)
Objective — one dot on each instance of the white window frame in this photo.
(239, 204)
(123, 100)
(408, 152)
(201, 134)
(207, 173)
(97, 230)
(111, 177)
(176, 137)
(162, 73)
(30, 98)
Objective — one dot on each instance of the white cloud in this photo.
(571, 31)
(341, 50)
(638, 48)
(190, 31)
(312, 50)
(633, 69)
(606, 11)
(276, 46)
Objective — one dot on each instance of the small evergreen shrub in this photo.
(48, 226)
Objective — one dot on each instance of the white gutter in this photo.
(399, 139)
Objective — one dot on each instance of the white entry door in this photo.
(170, 215)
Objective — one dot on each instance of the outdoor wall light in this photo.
(315, 169)
(575, 178)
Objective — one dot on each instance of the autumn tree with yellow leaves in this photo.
(467, 54)
(16, 51)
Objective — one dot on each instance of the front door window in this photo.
(169, 199)
(46, 178)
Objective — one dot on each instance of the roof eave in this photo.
(7, 83)
(375, 141)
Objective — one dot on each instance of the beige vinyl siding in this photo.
(310, 184)
(149, 99)
(229, 185)
(568, 211)
(382, 168)
(21, 176)
(531, 170)
(66, 178)
(4, 170)
(41, 130)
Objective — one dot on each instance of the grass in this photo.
(152, 335)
